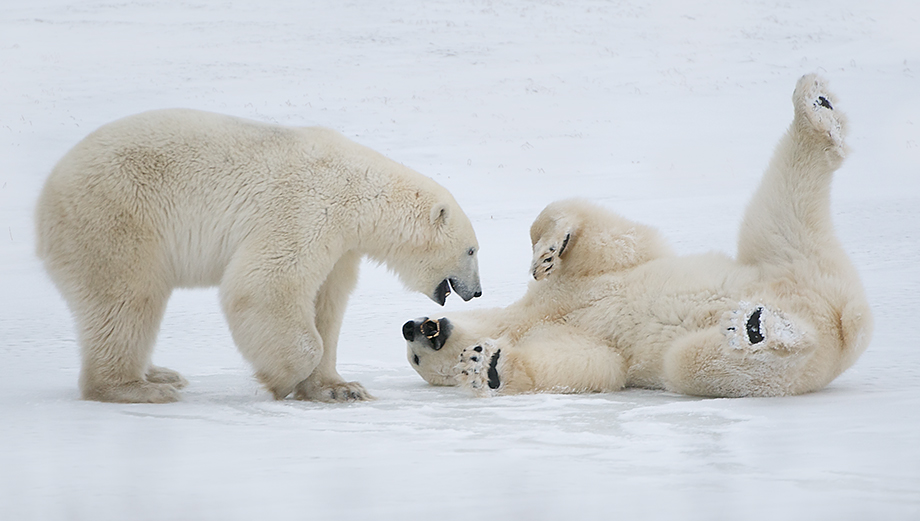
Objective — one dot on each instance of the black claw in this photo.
(824, 102)
(565, 243)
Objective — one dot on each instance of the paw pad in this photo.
(753, 327)
(478, 368)
(757, 327)
(545, 258)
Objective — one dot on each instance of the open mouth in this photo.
(430, 333)
(441, 292)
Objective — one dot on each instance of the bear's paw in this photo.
(818, 108)
(477, 369)
(757, 328)
(337, 392)
(547, 254)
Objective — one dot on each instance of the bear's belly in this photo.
(198, 255)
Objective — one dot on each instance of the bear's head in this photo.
(433, 348)
(438, 251)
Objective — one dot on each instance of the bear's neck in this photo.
(379, 204)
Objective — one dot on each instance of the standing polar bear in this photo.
(278, 217)
(613, 307)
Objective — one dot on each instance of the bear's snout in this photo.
(431, 333)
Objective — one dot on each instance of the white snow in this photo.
(664, 111)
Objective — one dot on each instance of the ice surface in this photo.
(664, 111)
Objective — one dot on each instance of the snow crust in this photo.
(664, 111)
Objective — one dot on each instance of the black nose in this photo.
(411, 327)
(431, 333)
(477, 294)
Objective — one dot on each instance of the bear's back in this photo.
(196, 180)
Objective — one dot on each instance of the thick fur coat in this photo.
(278, 217)
(612, 307)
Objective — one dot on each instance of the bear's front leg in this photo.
(269, 306)
(546, 255)
(315, 389)
(552, 234)
(551, 357)
(477, 369)
(548, 249)
(325, 384)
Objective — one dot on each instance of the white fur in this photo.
(613, 307)
(278, 217)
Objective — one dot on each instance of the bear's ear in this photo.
(440, 213)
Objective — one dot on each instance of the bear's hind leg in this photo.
(789, 216)
(757, 350)
(816, 112)
(117, 342)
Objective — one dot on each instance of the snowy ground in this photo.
(664, 111)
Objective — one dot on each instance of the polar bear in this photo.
(278, 217)
(613, 307)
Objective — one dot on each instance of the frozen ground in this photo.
(664, 111)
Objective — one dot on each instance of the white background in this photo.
(663, 111)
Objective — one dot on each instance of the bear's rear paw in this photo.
(132, 392)
(757, 328)
(338, 392)
(478, 368)
(546, 254)
(162, 375)
(818, 107)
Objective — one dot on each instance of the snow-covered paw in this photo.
(546, 254)
(337, 392)
(755, 327)
(818, 106)
(478, 368)
(162, 375)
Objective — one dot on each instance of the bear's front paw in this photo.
(478, 369)
(546, 255)
(339, 392)
(162, 375)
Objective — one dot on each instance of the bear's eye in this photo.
(471, 252)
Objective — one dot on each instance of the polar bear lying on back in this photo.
(278, 217)
(613, 307)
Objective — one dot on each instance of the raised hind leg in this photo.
(789, 215)
(806, 319)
